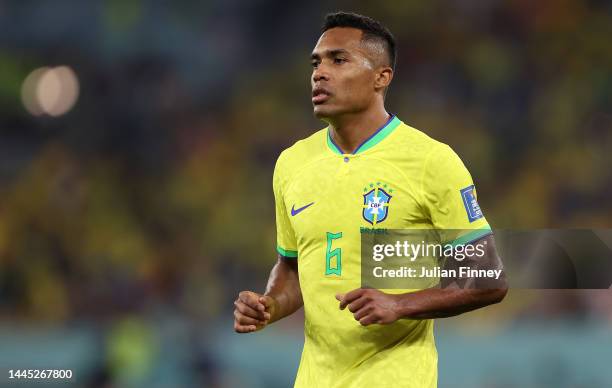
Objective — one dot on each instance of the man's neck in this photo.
(350, 131)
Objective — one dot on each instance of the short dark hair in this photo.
(372, 30)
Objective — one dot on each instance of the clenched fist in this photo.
(253, 311)
(370, 306)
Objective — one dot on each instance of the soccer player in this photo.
(367, 169)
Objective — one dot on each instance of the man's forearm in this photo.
(284, 287)
(441, 303)
(447, 302)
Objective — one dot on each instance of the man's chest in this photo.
(331, 205)
(348, 197)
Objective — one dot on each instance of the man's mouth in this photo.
(320, 95)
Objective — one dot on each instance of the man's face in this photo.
(343, 74)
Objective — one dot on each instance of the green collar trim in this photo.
(371, 141)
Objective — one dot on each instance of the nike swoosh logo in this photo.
(296, 211)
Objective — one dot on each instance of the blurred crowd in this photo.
(141, 212)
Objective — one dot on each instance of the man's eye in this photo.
(314, 64)
(339, 60)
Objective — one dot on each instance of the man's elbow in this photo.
(497, 295)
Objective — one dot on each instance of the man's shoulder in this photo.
(433, 156)
(303, 151)
(409, 140)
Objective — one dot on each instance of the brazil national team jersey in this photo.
(322, 202)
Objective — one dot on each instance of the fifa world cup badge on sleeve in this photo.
(471, 204)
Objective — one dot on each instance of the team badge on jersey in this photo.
(376, 202)
(471, 204)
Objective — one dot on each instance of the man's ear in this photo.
(383, 77)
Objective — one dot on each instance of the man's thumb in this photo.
(266, 300)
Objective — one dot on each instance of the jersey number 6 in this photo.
(333, 267)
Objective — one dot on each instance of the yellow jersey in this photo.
(399, 178)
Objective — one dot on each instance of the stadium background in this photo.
(130, 220)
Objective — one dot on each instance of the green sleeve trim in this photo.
(286, 253)
(472, 236)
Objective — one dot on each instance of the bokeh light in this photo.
(50, 90)
(28, 91)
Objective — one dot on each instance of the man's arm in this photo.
(283, 297)
(373, 306)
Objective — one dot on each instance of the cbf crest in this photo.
(376, 202)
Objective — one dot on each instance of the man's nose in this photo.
(320, 74)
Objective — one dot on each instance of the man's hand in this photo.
(370, 306)
(253, 311)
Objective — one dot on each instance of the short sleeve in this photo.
(449, 198)
(285, 236)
